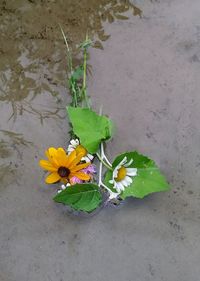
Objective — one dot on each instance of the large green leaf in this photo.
(90, 127)
(148, 180)
(82, 197)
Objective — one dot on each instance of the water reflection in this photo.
(32, 65)
(23, 81)
(14, 139)
(7, 174)
(12, 142)
(32, 49)
(12, 145)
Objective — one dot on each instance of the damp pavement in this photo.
(147, 79)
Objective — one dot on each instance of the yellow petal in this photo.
(71, 157)
(76, 161)
(82, 176)
(81, 149)
(62, 157)
(80, 167)
(51, 154)
(52, 178)
(47, 166)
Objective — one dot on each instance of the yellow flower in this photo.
(62, 166)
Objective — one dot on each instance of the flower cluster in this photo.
(68, 168)
(75, 167)
(130, 174)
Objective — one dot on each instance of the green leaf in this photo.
(148, 180)
(77, 73)
(90, 127)
(81, 197)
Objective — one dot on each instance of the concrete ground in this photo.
(147, 79)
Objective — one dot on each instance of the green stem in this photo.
(69, 56)
(84, 69)
(103, 162)
(74, 95)
(84, 89)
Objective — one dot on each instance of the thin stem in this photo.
(112, 194)
(84, 89)
(84, 69)
(103, 162)
(100, 173)
(100, 183)
(68, 50)
(104, 156)
(74, 95)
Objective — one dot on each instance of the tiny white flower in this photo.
(122, 175)
(75, 144)
(63, 187)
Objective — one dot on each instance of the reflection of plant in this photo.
(42, 114)
(28, 50)
(12, 141)
(5, 151)
(7, 173)
(131, 174)
(20, 91)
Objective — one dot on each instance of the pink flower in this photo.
(91, 169)
(75, 180)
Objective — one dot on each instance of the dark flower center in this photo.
(63, 172)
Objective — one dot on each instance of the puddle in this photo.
(32, 66)
(31, 44)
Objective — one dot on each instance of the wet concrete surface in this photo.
(147, 79)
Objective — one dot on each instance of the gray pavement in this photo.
(147, 79)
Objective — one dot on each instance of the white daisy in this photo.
(122, 175)
(75, 145)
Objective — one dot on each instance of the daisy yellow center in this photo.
(63, 172)
(81, 150)
(121, 174)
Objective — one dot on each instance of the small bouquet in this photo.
(89, 180)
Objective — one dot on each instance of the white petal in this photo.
(115, 172)
(86, 159)
(77, 141)
(125, 183)
(70, 147)
(129, 163)
(122, 162)
(73, 142)
(90, 156)
(131, 171)
(59, 191)
(119, 186)
(128, 180)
